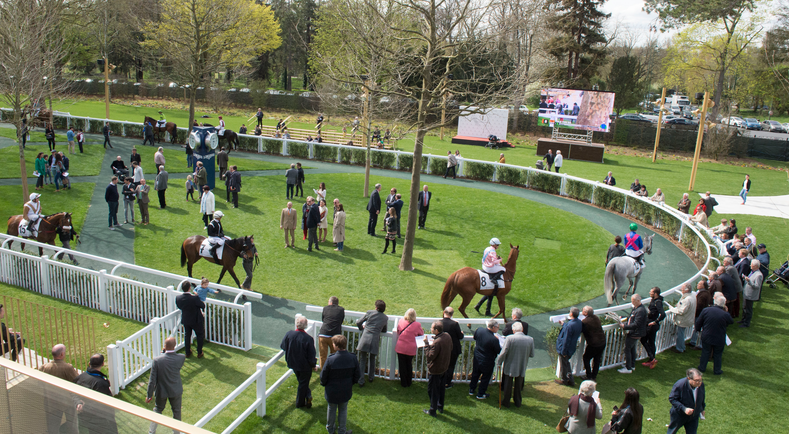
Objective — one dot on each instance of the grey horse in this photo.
(621, 268)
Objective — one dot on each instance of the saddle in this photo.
(205, 250)
(486, 280)
(161, 124)
(26, 231)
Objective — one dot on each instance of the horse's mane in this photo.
(53, 215)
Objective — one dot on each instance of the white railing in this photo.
(228, 323)
(133, 356)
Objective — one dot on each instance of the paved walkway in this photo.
(768, 206)
(273, 316)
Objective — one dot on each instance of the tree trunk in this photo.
(22, 164)
(192, 97)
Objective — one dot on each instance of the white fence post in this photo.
(392, 353)
(261, 389)
(171, 299)
(157, 336)
(43, 271)
(103, 291)
(563, 188)
(260, 145)
(284, 148)
(247, 326)
(312, 151)
(113, 367)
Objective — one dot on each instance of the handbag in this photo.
(562, 422)
(607, 428)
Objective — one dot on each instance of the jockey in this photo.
(634, 245)
(491, 262)
(216, 234)
(221, 128)
(162, 121)
(31, 214)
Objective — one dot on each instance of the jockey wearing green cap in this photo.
(634, 245)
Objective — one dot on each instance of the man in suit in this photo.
(752, 291)
(713, 322)
(452, 163)
(332, 318)
(287, 222)
(548, 159)
(57, 402)
(300, 180)
(313, 219)
(517, 314)
(222, 159)
(372, 324)
(299, 350)
(710, 203)
(485, 352)
(192, 318)
(398, 206)
(592, 329)
(161, 186)
(291, 177)
(687, 403)
(729, 290)
(609, 180)
(452, 329)
(514, 359)
(111, 196)
(96, 419)
(388, 202)
(340, 372)
(374, 207)
(424, 205)
(438, 355)
(636, 325)
(235, 184)
(165, 381)
(566, 344)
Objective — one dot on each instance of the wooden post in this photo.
(659, 123)
(699, 138)
(106, 89)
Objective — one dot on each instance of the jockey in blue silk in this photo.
(634, 245)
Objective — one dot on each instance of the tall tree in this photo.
(31, 49)
(729, 13)
(626, 79)
(201, 37)
(580, 42)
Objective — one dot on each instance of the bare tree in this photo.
(31, 47)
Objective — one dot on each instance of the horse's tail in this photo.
(174, 134)
(183, 255)
(610, 271)
(446, 295)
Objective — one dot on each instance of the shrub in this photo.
(512, 176)
(406, 161)
(385, 160)
(324, 153)
(550, 337)
(132, 130)
(481, 171)
(116, 127)
(248, 143)
(544, 181)
(299, 150)
(353, 156)
(96, 127)
(641, 210)
(609, 199)
(438, 165)
(60, 122)
(670, 225)
(579, 190)
(272, 146)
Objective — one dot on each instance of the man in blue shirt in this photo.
(70, 138)
(566, 344)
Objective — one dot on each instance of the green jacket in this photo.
(41, 165)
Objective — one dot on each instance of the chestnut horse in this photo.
(465, 282)
(243, 246)
(46, 230)
(170, 127)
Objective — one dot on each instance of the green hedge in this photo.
(299, 150)
(60, 122)
(385, 160)
(117, 127)
(512, 176)
(353, 156)
(579, 190)
(646, 212)
(131, 130)
(248, 143)
(542, 181)
(609, 199)
(406, 161)
(272, 146)
(324, 153)
(438, 165)
(97, 126)
(670, 225)
(481, 171)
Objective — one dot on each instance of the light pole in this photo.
(103, 62)
(702, 121)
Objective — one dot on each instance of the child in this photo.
(391, 230)
(190, 188)
(204, 290)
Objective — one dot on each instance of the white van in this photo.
(679, 100)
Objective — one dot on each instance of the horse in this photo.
(230, 136)
(465, 282)
(169, 127)
(242, 246)
(621, 268)
(46, 230)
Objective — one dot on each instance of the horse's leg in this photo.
(233, 275)
(500, 298)
(221, 275)
(462, 307)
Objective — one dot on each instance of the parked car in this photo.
(773, 127)
(634, 117)
(733, 121)
(786, 127)
(752, 124)
(679, 121)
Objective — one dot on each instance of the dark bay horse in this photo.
(46, 230)
(230, 136)
(169, 127)
(243, 247)
(465, 282)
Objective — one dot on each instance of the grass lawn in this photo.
(175, 161)
(86, 164)
(35, 135)
(75, 201)
(361, 272)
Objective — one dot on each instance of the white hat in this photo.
(495, 242)
(218, 214)
(34, 196)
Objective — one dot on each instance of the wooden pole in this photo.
(106, 88)
(659, 124)
(699, 138)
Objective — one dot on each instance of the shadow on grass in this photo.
(429, 275)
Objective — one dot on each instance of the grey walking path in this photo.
(668, 266)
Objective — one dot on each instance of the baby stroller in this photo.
(539, 165)
(493, 142)
(781, 274)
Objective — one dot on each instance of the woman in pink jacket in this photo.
(407, 329)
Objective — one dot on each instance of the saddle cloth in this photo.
(24, 229)
(205, 250)
(486, 283)
(161, 124)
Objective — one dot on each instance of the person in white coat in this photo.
(207, 205)
(558, 160)
(684, 316)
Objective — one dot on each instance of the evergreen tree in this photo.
(579, 42)
(626, 80)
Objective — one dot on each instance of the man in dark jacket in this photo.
(452, 329)
(595, 342)
(517, 314)
(713, 322)
(192, 318)
(222, 159)
(372, 324)
(566, 344)
(687, 400)
(703, 300)
(332, 317)
(338, 376)
(313, 219)
(438, 355)
(709, 203)
(111, 196)
(300, 181)
(548, 159)
(636, 325)
(374, 207)
(299, 350)
(97, 419)
(424, 200)
(398, 206)
(486, 351)
(235, 184)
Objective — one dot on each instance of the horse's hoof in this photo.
(243, 297)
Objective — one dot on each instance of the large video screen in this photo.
(574, 108)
